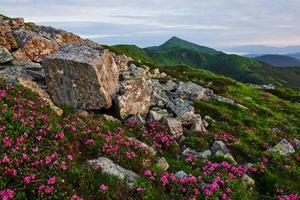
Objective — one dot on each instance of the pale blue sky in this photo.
(215, 23)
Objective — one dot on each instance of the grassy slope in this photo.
(180, 52)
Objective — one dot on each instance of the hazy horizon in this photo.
(222, 24)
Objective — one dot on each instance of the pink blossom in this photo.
(75, 197)
(52, 180)
(49, 189)
(5, 159)
(103, 187)
(69, 157)
(6, 194)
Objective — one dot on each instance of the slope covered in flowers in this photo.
(43, 156)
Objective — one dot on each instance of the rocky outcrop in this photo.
(135, 92)
(110, 168)
(81, 77)
(59, 36)
(283, 148)
(34, 46)
(174, 125)
(190, 91)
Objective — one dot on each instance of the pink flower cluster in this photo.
(289, 197)
(6, 194)
(226, 137)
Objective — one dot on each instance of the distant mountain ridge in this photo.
(176, 52)
(279, 60)
(262, 49)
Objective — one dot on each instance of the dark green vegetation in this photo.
(279, 60)
(180, 52)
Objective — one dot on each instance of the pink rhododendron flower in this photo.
(51, 180)
(103, 187)
(6, 194)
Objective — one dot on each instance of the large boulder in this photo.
(110, 168)
(34, 46)
(134, 97)
(283, 148)
(81, 76)
(180, 107)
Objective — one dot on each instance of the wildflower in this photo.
(69, 157)
(140, 190)
(49, 189)
(6, 194)
(147, 173)
(52, 180)
(103, 187)
(89, 142)
(5, 159)
(164, 180)
(75, 197)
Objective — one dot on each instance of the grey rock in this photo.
(283, 148)
(181, 174)
(5, 56)
(179, 107)
(156, 114)
(174, 126)
(190, 91)
(297, 143)
(110, 168)
(81, 77)
(150, 150)
(248, 182)
(191, 152)
(110, 118)
(219, 146)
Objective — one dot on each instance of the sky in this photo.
(214, 23)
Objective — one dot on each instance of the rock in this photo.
(81, 77)
(59, 36)
(110, 118)
(174, 126)
(122, 61)
(179, 107)
(150, 150)
(283, 148)
(34, 46)
(228, 101)
(198, 126)
(190, 152)
(159, 100)
(248, 182)
(37, 76)
(276, 130)
(162, 164)
(181, 174)
(297, 143)
(190, 91)
(134, 97)
(138, 72)
(108, 167)
(5, 56)
(170, 86)
(230, 157)
(42, 93)
(21, 57)
(82, 113)
(156, 114)
(137, 118)
(16, 23)
(219, 146)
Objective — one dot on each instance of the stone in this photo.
(181, 174)
(122, 61)
(297, 143)
(37, 76)
(170, 85)
(248, 182)
(174, 126)
(156, 114)
(81, 77)
(179, 107)
(283, 148)
(34, 46)
(191, 152)
(219, 146)
(158, 99)
(110, 168)
(21, 57)
(152, 152)
(41, 93)
(59, 36)
(134, 97)
(110, 118)
(5, 56)
(228, 101)
(162, 164)
(198, 126)
(190, 91)
(230, 157)
(16, 23)
(137, 118)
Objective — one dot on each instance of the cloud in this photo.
(214, 23)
